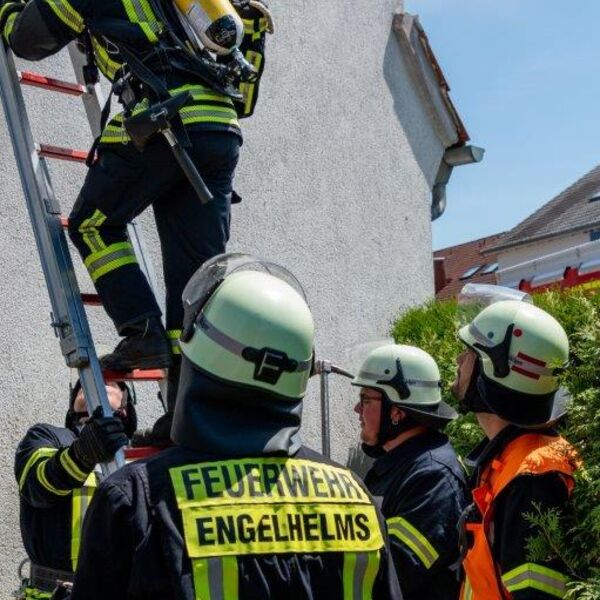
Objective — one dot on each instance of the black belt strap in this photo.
(151, 81)
(46, 579)
(89, 161)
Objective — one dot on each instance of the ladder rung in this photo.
(91, 299)
(141, 452)
(136, 375)
(48, 151)
(51, 84)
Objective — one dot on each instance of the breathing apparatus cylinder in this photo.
(215, 23)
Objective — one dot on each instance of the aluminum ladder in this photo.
(68, 316)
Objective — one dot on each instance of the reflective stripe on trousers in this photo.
(360, 570)
(91, 234)
(216, 578)
(110, 258)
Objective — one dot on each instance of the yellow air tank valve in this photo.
(216, 25)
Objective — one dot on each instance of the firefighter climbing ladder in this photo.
(68, 317)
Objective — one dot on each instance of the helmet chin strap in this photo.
(388, 428)
(472, 400)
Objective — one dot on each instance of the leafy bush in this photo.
(574, 537)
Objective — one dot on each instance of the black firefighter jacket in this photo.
(186, 526)
(54, 494)
(424, 492)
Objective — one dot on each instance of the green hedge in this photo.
(574, 538)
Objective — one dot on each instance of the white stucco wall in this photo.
(335, 173)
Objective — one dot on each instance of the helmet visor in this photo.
(214, 271)
(474, 297)
(484, 294)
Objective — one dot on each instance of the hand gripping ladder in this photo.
(68, 317)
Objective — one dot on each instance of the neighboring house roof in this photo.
(415, 42)
(465, 263)
(568, 212)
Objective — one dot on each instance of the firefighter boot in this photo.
(145, 346)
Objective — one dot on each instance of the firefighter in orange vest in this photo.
(507, 376)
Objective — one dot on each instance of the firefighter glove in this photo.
(98, 441)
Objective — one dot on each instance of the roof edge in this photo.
(539, 238)
(556, 201)
(403, 25)
(475, 241)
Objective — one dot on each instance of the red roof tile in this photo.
(459, 259)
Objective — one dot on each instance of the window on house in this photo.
(470, 272)
(491, 268)
(594, 235)
(594, 198)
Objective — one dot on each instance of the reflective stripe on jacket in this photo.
(81, 500)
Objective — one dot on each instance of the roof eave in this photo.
(406, 26)
(539, 238)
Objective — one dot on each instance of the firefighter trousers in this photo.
(122, 184)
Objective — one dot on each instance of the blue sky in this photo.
(525, 77)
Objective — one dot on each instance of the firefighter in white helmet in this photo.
(416, 470)
(238, 508)
(509, 377)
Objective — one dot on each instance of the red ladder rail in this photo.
(58, 153)
(91, 299)
(49, 83)
(135, 375)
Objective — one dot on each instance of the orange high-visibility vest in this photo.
(529, 454)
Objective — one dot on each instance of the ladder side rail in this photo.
(138, 241)
(93, 100)
(70, 322)
(40, 204)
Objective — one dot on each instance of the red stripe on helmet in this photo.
(535, 361)
(525, 372)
